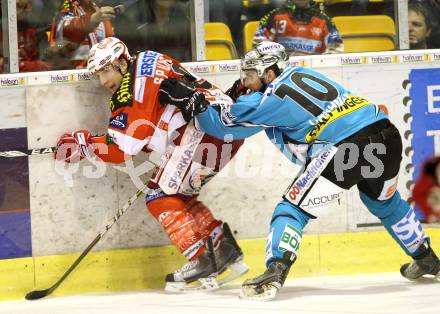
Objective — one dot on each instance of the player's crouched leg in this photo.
(281, 250)
(183, 232)
(227, 252)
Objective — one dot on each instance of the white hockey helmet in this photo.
(263, 56)
(106, 52)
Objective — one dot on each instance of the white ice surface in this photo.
(387, 293)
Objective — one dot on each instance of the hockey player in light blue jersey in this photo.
(338, 137)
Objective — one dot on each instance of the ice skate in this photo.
(229, 258)
(265, 287)
(425, 263)
(196, 275)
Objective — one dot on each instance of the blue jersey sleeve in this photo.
(231, 122)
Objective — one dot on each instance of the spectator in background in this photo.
(361, 7)
(79, 25)
(433, 14)
(419, 26)
(434, 39)
(130, 24)
(426, 192)
(28, 40)
(228, 12)
(301, 28)
(168, 28)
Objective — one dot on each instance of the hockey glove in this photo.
(236, 90)
(184, 96)
(72, 147)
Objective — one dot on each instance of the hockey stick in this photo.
(27, 152)
(38, 294)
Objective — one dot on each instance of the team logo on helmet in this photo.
(263, 56)
(106, 52)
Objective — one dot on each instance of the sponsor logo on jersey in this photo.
(181, 158)
(166, 218)
(414, 58)
(59, 78)
(290, 239)
(123, 95)
(181, 167)
(163, 125)
(312, 172)
(140, 89)
(120, 121)
(322, 200)
(109, 139)
(12, 81)
(352, 103)
(153, 195)
(307, 46)
(268, 47)
(316, 31)
(189, 253)
(147, 63)
(389, 188)
(409, 231)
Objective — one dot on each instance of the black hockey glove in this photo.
(184, 96)
(236, 90)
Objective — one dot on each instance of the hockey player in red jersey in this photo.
(426, 192)
(190, 157)
(301, 27)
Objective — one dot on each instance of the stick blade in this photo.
(36, 294)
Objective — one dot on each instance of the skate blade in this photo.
(265, 293)
(200, 285)
(234, 271)
(427, 278)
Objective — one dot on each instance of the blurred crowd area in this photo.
(57, 34)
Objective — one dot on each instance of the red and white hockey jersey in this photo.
(139, 122)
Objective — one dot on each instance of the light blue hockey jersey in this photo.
(301, 107)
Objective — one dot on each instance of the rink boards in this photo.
(46, 214)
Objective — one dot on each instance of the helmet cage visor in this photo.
(260, 64)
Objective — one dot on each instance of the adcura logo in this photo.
(58, 78)
(322, 200)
